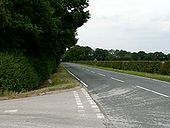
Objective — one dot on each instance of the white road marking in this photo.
(84, 84)
(151, 79)
(161, 81)
(84, 91)
(79, 104)
(100, 115)
(88, 97)
(11, 111)
(90, 100)
(80, 107)
(78, 100)
(92, 103)
(117, 80)
(94, 106)
(101, 74)
(152, 91)
(77, 78)
(93, 72)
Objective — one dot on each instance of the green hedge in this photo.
(44, 66)
(21, 73)
(140, 66)
(16, 73)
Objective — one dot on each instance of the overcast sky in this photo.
(132, 25)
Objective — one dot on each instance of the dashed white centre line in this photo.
(153, 91)
(11, 111)
(92, 71)
(101, 74)
(117, 79)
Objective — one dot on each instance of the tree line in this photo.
(37, 32)
(39, 27)
(78, 53)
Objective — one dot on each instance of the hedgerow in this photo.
(16, 73)
(140, 66)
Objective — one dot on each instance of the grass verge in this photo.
(58, 81)
(143, 74)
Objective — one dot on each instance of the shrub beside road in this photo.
(60, 80)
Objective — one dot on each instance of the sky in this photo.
(132, 25)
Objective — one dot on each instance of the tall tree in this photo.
(100, 54)
(41, 26)
(159, 56)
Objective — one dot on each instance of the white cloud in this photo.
(165, 26)
(128, 24)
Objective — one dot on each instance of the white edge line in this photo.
(160, 81)
(77, 78)
(117, 80)
(152, 91)
(93, 72)
(101, 74)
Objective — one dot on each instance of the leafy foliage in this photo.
(78, 53)
(17, 73)
(110, 55)
(120, 59)
(41, 30)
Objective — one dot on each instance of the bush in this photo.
(140, 66)
(16, 73)
(44, 66)
(165, 68)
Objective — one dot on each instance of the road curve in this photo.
(127, 101)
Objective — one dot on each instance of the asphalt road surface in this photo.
(69, 109)
(127, 101)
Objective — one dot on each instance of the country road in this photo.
(108, 100)
(127, 101)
